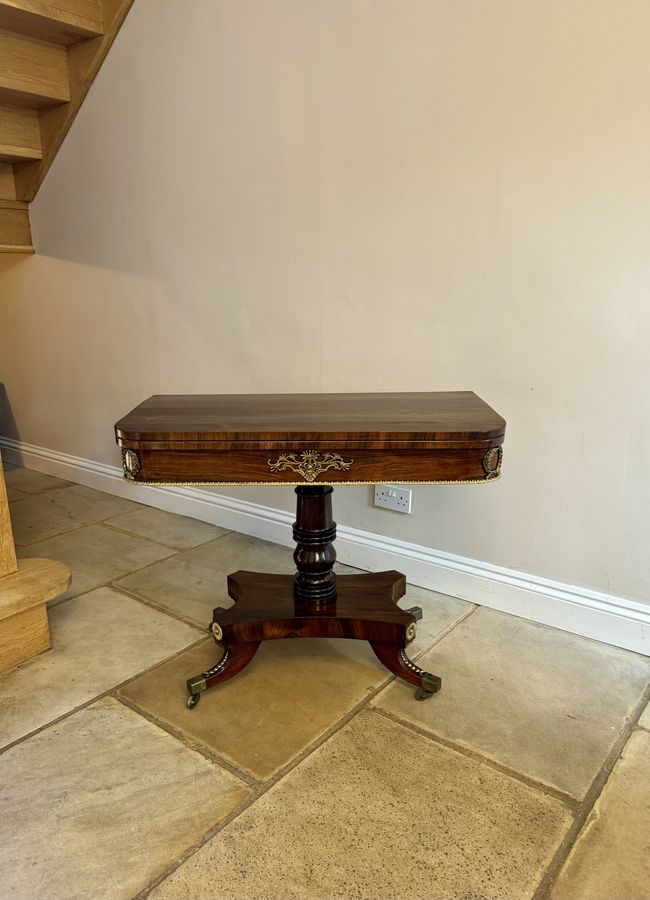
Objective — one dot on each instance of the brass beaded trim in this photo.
(298, 483)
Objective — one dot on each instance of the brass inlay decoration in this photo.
(219, 667)
(492, 462)
(130, 463)
(217, 631)
(408, 664)
(310, 464)
(410, 631)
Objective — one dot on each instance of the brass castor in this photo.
(431, 684)
(192, 700)
(415, 611)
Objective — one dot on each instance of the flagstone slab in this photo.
(543, 702)
(611, 858)
(289, 695)
(179, 532)
(100, 804)
(32, 482)
(192, 583)
(41, 516)
(99, 640)
(380, 813)
(98, 555)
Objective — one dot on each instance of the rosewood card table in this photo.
(313, 441)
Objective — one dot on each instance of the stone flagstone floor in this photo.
(313, 774)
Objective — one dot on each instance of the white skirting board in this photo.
(603, 617)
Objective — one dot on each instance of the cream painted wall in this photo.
(366, 195)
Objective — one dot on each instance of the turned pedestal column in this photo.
(314, 532)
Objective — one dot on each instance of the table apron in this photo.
(322, 467)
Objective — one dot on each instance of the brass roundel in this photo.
(410, 631)
(492, 462)
(217, 631)
(131, 462)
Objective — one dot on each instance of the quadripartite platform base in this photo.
(313, 603)
(363, 607)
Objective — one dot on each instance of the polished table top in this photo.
(218, 438)
(444, 415)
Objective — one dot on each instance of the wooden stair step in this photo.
(20, 137)
(24, 628)
(15, 231)
(63, 22)
(13, 153)
(35, 582)
(32, 73)
(26, 585)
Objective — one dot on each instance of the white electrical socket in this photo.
(389, 496)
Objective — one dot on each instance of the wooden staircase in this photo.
(50, 52)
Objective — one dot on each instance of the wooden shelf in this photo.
(24, 628)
